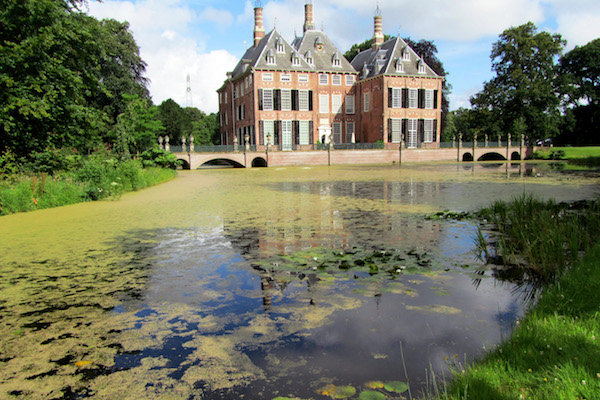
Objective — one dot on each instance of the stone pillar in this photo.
(474, 146)
(192, 144)
(508, 148)
(183, 144)
(453, 141)
(160, 142)
(486, 140)
(247, 141)
(458, 158)
(235, 143)
(167, 147)
(499, 141)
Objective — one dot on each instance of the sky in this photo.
(206, 38)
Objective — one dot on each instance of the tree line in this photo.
(71, 81)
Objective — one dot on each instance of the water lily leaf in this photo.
(396, 386)
(374, 384)
(83, 363)
(337, 392)
(371, 395)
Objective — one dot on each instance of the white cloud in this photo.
(462, 99)
(222, 18)
(248, 13)
(161, 30)
(577, 21)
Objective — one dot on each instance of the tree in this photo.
(137, 127)
(525, 87)
(580, 70)
(185, 122)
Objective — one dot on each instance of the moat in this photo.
(259, 283)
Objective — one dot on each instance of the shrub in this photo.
(156, 157)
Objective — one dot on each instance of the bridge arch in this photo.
(222, 162)
(492, 156)
(185, 164)
(259, 162)
(515, 155)
(467, 156)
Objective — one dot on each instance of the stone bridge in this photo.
(274, 158)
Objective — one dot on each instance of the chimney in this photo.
(378, 29)
(309, 22)
(259, 28)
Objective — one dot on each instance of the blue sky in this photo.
(206, 38)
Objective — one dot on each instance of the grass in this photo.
(586, 156)
(554, 353)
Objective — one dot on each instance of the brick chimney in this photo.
(309, 22)
(378, 29)
(259, 28)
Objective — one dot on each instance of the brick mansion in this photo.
(293, 96)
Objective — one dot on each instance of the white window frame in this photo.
(428, 131)
(422, 68)
(323, 103)
(303, 100)
(413, 98)
(350, 104)
(286, 100)
(304, 132)
(406, 55)
(267, 77)
(367, 102)
(337, 62)
(396, 132)
(268, 127)
(268, 99)
(336, 130)
(295, 60)
(323, 79)
(336, 80)
(396, 98)
(349, 131)
(286, 138)
(303, 78)
(412, 133)
(285, 77)
(399, 67)
(350, 80)
(336, 103)
(429, 99)
(280, 47)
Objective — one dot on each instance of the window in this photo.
(399, 66)
(406, 54)
(421, 67)
(303, 78)
(411, 137)
(336, 80)
(367, 102)
(429, 98)
(323, 79)
(285, 77)
(350, 79)
(350, 104)
(270, 57)
(336, 62)
(269, 130)
(225, 97)
(413, 96)
(295, 60)
(265, 78)
(303, 128)
(396, 98)
(350, 132)
(309, 58)
(279, 46)
(286, 99)
(303, 100)
(337, 132)
(336, 103)
(286, 135)
(396, 130)
(324, 103)
(268, 99)
(428, 136)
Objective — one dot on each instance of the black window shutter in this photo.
(277, 100)
(260, 99)
(296, 132)
(421, 130)
(405, 98)
(389, 130)
(435, 130)
(435, 100)
(294, 100)
(389, 97)
(261, 133)
(404, 129)
(310, 132)
(277, 130)
(421, 98)
(310, 100)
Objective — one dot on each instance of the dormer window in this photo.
(365, 71)
(319, 45)
(421, 66)
(406, 54)
(279, 46)
(309, 58)
(399, 66)
(336, 61)
(295, 60)
(270, 57)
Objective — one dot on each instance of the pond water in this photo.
(227, 284)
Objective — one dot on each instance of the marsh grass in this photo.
(541, 237)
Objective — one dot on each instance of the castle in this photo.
(293, 96)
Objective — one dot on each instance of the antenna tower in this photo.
(188, 92)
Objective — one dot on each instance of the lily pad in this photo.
(371, 395)
(337, 392)
(396, 386)
(374, 384)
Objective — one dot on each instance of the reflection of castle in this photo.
(297, 95)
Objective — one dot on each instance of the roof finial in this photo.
(257, 3)
(378, 10)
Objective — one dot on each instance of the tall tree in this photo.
(137, 127)
(580, 70)
(525, 88)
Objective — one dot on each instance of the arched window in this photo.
(279, 46)
(399, 66)
(406, 54)
(270, 57)
(309, 57)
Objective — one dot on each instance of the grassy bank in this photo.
(95, 179)
(554, 353)
(588, 156)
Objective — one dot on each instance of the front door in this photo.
(286, 135)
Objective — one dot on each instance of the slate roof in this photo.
(256, 57)
(370, 63)
(322, 60)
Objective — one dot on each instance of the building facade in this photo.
(296, 95)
